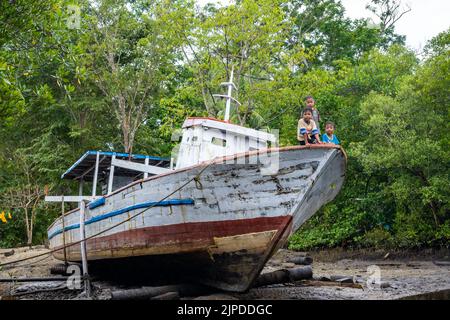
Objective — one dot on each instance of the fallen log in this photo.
(318, 283)
(59, 269)
(216, 296)
(283, 276)
(149, 292)
(141, 293)
(33, 279)
(19, 294)
(442, 263)
(338, 278)
(8, 253)
(301, 260)
(167, 296)
(300, 273)
(345, 280)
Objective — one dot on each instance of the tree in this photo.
(388, 11)
(125, 59)
(25, 193)
(391, 119)
(322, 26)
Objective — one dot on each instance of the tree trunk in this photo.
(27, 225)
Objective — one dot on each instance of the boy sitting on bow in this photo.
(307, 132)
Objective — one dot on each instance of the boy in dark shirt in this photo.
(311, 103)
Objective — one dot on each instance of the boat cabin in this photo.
(206, 138)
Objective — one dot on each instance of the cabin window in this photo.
(219, 142)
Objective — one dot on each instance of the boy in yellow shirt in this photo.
(307, 132)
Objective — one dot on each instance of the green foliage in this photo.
(397, 136)
(134, 70)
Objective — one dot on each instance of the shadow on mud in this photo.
(438, 295)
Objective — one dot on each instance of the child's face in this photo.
(307, 116)
(329, 129)
(310, 102)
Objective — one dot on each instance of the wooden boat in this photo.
(244, 199)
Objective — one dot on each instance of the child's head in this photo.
(309, 102)
(307, 114)
(329, 127)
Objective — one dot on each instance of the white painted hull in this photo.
(233, 214)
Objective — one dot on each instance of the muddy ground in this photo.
(368, 275)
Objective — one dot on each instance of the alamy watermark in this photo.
(73, 16)
(74, 281)
(374, 277)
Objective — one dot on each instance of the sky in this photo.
(426, 19)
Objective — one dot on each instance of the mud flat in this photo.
(412, 275)
(371, 275)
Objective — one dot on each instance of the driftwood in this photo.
(318, 283)
(338, 278)
(8, 253)
(19, 294)
(33, 279)
(182, 290)
(142, 293)
(284, 276)
(301, 260)
(442, 263)
(61, 268)
(172, 292)
(167, 296)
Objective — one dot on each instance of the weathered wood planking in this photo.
(232, 211)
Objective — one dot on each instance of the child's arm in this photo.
(317, 138)
(315, 132)
(305, 136)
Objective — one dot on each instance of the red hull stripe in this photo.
(186, 233)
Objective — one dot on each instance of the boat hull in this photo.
(220, 229)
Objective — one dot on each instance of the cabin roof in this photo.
(85, 166)
(230, 127)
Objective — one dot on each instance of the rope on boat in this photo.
(194, 178)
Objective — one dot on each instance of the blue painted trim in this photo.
(133, 156)
(97, 203)
(110, 154)
(174, 202)
(75, 164)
